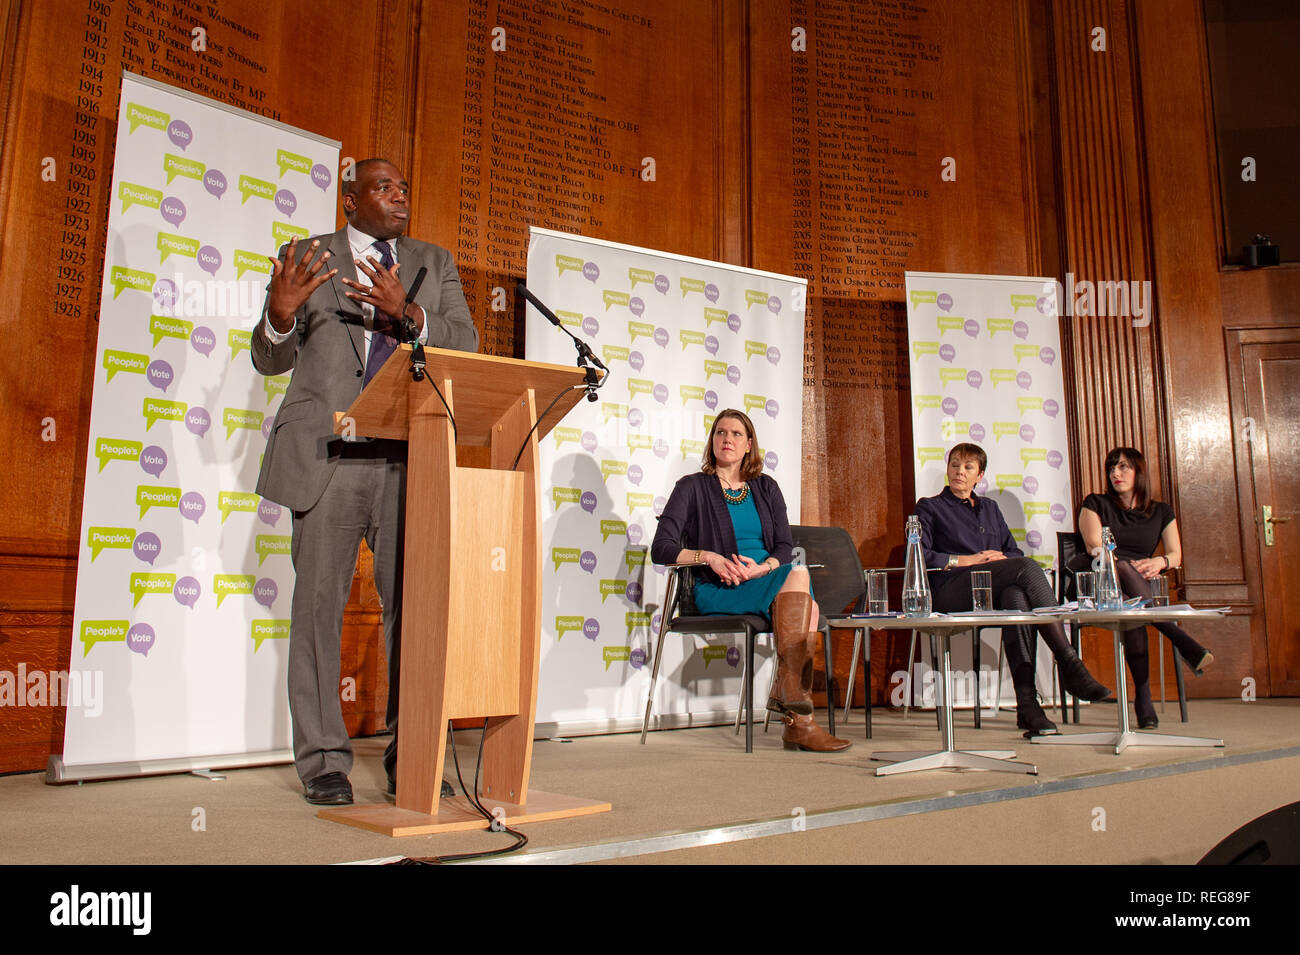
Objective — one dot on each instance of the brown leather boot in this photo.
(791, 614)
(802, 732)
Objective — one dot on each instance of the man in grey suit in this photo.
(331, 326)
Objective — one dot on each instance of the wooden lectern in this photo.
(472, 580)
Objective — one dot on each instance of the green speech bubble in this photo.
(714, 367)
(1023, 301)
(948, 323)
(573, 319)
(236, 418)
(275, 385)
(105, 538)
(565, 495)
(567, 263)
(615, 655)
(171, 244)
(714, 652)
(640, 275)
(611, 297)
(134, 195)
(712, 315)
(564, 624)
(1001, 375)
(102, 631)
(609, 588)
(755, 296)
(156, 409)
(230, 501)
(1029, 404)
(951, 374)
(137, 116)
(251, 186)
(1017, 533)
(282, 233)
(753, 348)
(272, 545)
(152, 495)
(121, 278)
(637, 499)
(608, 528)
(1032, 454)
(246, 261)
(117, 449)
(998, 325)
(690, 393)
(226, 585)
(639, 442)
(128, 361)
(160, 327)
(239, 339)
(755, 402)
(640, 386)
(1044, 561)
(634, 557)
(1005, 481)
(612, 409)
(1034, 508)
(949, 428)
(1003, 428)
(615, 352)
(691, 285)
(260, 630)
(180, 166)
(292, 161)
(690, 337)
(147, 583)
(1025, 351)
(929, 454)
(927, 401)
(567, 434)
(609, 467)
(636, 620)
(639, 329)
(691, 448)
(924, 348)
(564, 555)
(923, 298)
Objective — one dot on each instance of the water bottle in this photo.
(916, 586)
(1109, 596)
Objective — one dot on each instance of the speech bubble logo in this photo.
(711, 399)
(589, 442)
(214, 183)
(187, 591)
(613, 655)
(690, 285)
(1057, 512)
(919, 297)
(1002, 429)
(140, 639)
(565, 623)
(1027, 432)
(142, 584)
(1020, 329)
(203, 339)
(282, 233)
(102, 631)
(268, 512)
(772, 408)
(637, 658)
(713, 652)
(774, 305)
(1032, 454)
(924, 348)
(587, 561)
(926, 455)
(610, 588)
(132, 194)
(180, 134)
(949, 323)
(636, 620)
(637, 330)
(733, 374)
(1030, 484)
(590, 627)
(180, 166)
(947, 352)
(1024, 380)
(636, 306)
(160, 375)
(590, 327)
(567, 263)
(209, 259)
(137, 116)
(172, 211)
(1034, 539)
(116, 449)
(231, 585)
(976, 432)
(250, 186)
(272, 545)
(612, 409)
(690, 337)
(564, 555)
(1046, 355)
(662, 284)
(292, 162)
(611, 528)
(99, 539)
(639, 442)
(320, 176)
(944, 301)
(286, 202)
(1023, 301)
(1034, 508)
(169, 244)
(636, 276)
(948, 406)
(198, 421)
(971, 328)
(1030, 403)
(265, 591)
(192, 506)
(636, 360)
(712, 315)
(690, 393)
(246, 261)
(634, 592)
(661, 394)
(233, 419)
(660, 502)
(122, 278)
(711, 344)
(770, 460)
(711, 292)
(636, 499)
(635, 417)
(590, 271)
(130, 362)
(773, 355)
(161, 326)
(662, 337)
(635, 474)
(155, 410)
(563, 435)
(565, 495)
(147, 547)
(974, 378)
(1055, 459)
(229, 502)
(587, 501)
(260, 631)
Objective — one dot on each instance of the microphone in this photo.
(537, 303)
(584, 350)
(415, 286)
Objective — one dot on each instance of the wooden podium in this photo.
(472, 581)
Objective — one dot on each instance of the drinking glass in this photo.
(1159, 591)
(981, 590)
(1085, 583)
(877, 592)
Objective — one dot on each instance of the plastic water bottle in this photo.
(916, 585)
(1109, 596)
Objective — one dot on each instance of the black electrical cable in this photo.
(452, 417)
(539, 420)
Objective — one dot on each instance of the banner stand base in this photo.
(456, 815)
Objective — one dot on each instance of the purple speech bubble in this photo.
(660, 448)
(286, 202)
(661, 337)
(198, 421)
(591, 628)
(187, 592)
(634, 592)
(268, 425)
(773, 355)
(587, 501)
(662, 284)
(1044, 305)
(590, 326)
(636, 306)
(179, 132)
(635, 417)
(1020, 329)
(265, 591)
(214, 181)
(147, 547)
(588, 441)
(971, 328)
(591, 271)
(1051, 408)
(733, 322)
(661, 394)
(209, 259)
(153, 459)
(165, 294)
(172, 211)
(770, 460)
(140, 638)
(635, 474)
(976, 431)
(159, 374)
(1046, 355)
(733, 656)
(587, 561)
(1057, 512)
(947, 352)
(711, 344)
(1027, 432)
(203, 340)
(660, 504)
(192, 506)
(320, 176)
(710, 399)
(268, 512)
(634, 531)
(949, 406)
(982, 486)
(636, 658)
(944, 301)
(774, 305)
(772, 408)
(1024, 380)
(733, 374)
(636, 360)
(1030, 484)
(1034, 539)
(657, 619)
(1055, 459)
(974, 379)
(711, 292)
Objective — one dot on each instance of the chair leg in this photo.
(740, 705)
(831, 685)
(1182, 688)
(654, 679)
(997, 700)
(749, 691)
(853, 673)
(975, 654)
(1160, 649)
(911, 655)
(1076, 634)
(934, 666)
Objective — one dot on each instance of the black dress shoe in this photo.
(1030, 717)
(1148, 720)
(329, 789)
(447, 790)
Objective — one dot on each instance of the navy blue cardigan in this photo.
(696, 518)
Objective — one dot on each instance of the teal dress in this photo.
(752, 596)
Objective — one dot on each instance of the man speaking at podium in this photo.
(330, 308)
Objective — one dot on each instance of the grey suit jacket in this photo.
(327, 355)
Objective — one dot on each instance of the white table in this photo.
(943, 626)
(1117, 621)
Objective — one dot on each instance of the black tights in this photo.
(1133, 584)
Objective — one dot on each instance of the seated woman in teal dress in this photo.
(730, 518)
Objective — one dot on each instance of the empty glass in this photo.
(1085, 583)
(877, 592)
(981, 590)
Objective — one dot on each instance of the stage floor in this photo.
(695, 796)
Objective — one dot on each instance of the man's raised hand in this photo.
(293, 281)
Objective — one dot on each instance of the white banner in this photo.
(184, 579)
(985, 369)
(683, 338)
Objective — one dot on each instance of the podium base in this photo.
(456, 814)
